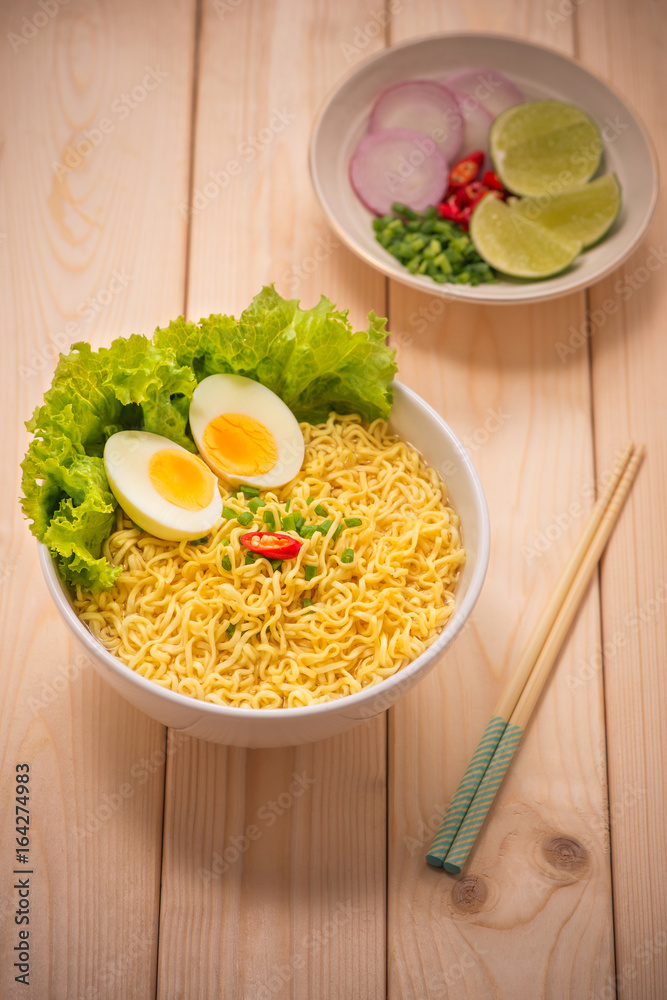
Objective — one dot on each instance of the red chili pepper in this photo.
(474, 192)
(464, 217)
(490, 178)
(450, 209)
(466, 169)
(272, 544)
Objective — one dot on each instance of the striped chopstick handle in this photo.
(482, 800)
(466, 791)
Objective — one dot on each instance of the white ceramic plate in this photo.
(539, 73)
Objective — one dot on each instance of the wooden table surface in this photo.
(143, 882)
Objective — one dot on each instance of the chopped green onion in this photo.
(306, 602)
(249, 491)
(324, 526)
(339, 528)
(353, 522)
(269, 520)
(250, 558)
(310, 572)
(226, 563)
(299, 521)
(310, 500)
(231, 629)
(347, 556)
(255, 503)
(224, 541)
(322, 511)
(276, 564)
(229, 513)
(287, 505)
(199, 541)
(287, 523)
(308, 530)
(245, 518)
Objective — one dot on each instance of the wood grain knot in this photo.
(469, 893)
(566, 854)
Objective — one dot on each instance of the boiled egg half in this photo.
(165, 489)
(245, 432)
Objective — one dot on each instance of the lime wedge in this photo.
(517, 246)
(544, 147)
(586, 213)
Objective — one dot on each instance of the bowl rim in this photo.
(461, 293)
(58, 593)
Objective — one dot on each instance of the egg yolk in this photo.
(240, 445)
(181, 479)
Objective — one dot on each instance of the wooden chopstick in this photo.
(515, 685)
(488, 786)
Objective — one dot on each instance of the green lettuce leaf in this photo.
(311, 358)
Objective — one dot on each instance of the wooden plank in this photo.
(629, 355)
(286, 899)
(538, 881)
(79, 248)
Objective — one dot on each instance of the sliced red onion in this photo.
(476, 124)
(422, 105)
(494, 91)
(398, 164)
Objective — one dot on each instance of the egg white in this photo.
(126, 458)
(221, 394)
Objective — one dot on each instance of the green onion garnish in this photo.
(226, 563)
(287, 523)
(308, 530)
(269, 520)
(287, 505)
(250, 558)
(276, 563)
(245, 518)
(347, 556)
(310, 572)
(224, 541)
(322, 511)
(255, 503)
(353, 522)
(324, 526)
(306, 602)
(299, 521)
(229, 513)
(249, 491)
(310, 500)
(231, 629)
(339, 528)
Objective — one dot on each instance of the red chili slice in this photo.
(466, 169)
(491, 180)
(272, 544)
